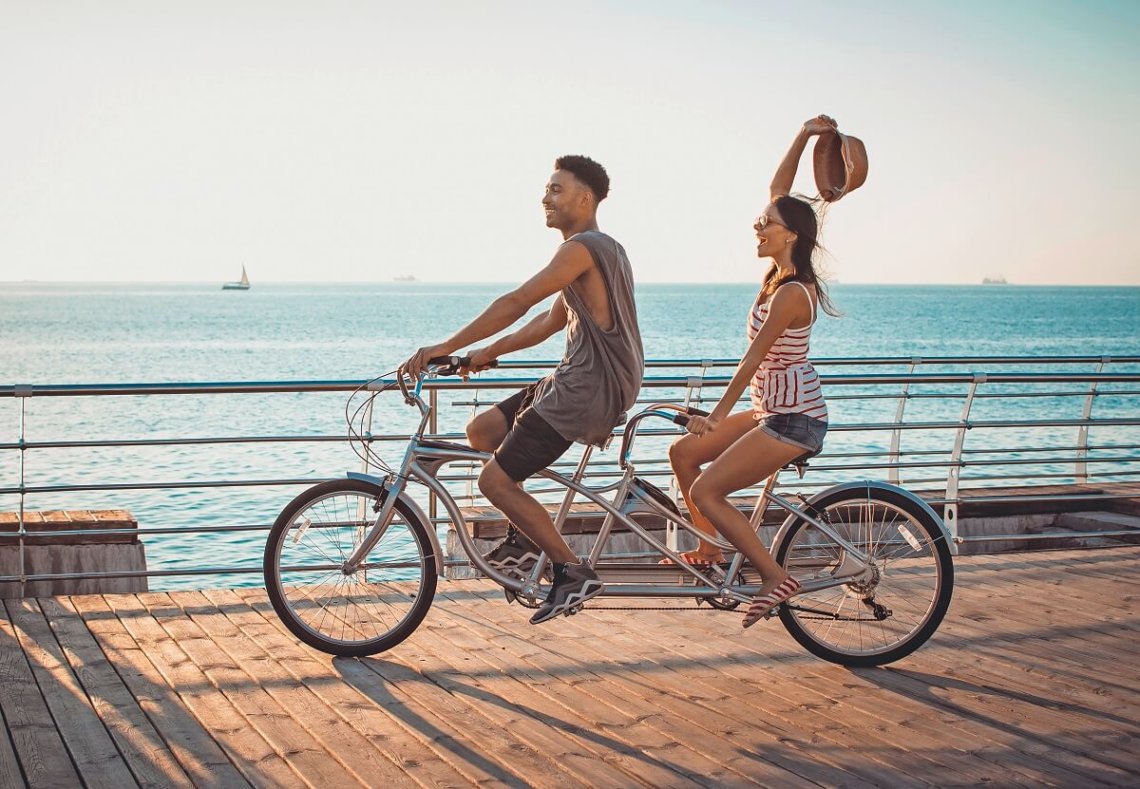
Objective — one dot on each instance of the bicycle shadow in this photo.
(920, 686)
(375, 679)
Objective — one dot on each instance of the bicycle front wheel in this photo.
(368, 610)
(895, 608)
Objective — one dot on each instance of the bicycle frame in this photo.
(423, 460)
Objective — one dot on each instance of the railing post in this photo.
(367, 435)
(896, 434)
(1082, 471)
(23, 393)
(950, 510)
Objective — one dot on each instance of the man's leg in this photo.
(523, 510)
(486, 431)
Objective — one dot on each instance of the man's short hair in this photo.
(588, 172)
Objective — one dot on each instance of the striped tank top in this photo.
(786, 382)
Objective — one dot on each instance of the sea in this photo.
(59, 333)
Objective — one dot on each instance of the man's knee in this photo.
(486, 431)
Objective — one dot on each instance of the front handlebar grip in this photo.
(450, 365)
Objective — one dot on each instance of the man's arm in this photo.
(538, 330)
(570, 261)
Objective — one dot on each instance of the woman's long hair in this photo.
(800, 218)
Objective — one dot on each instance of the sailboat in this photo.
(242, 284)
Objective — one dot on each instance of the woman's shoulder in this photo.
(794, 290)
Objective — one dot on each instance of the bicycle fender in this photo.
(382, 483)
(864, 485)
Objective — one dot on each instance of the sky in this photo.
(359, 141)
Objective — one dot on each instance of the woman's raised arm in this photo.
(786, 172)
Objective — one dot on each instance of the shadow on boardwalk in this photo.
(1032, 680)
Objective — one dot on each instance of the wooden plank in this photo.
(450, 745)
(87, 740)
(447, 724)
(250, 753)
(146, 755)
(10, 775)
(308, 711)
(682, 677)
(966, 726)
(259, 711)
(695, 748)
(693, 668)
(1014, 690)
(789, 693)
(195, 751)
(514, 706)
(247, 609)
(39, 748)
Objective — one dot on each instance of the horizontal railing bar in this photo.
(214, 387)
(453, 436)
(141, 531)
(211, 484)
(1051, 535)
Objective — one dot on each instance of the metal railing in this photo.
(920, 425)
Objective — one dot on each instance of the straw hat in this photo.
(840, 165)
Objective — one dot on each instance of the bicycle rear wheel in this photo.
(354, 613)
(889, 614)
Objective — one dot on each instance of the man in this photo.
(582, 400)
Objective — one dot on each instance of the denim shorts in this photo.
(795, 429)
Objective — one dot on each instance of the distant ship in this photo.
(242, 284)
(998, 280)
(404, 278)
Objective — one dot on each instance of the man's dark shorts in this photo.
(531, 443)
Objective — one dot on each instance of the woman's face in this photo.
(771, 232)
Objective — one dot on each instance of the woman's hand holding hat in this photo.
(820, 124)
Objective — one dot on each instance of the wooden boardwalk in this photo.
(1032, 680)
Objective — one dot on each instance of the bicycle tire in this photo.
(357, 614)
(913, 581)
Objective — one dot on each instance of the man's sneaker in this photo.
(573, 585)
(515, 556)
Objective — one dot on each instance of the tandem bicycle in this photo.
(351, 564)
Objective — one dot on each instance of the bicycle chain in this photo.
(694, 609)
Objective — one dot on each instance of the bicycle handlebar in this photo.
(683, 419)
(447, 365)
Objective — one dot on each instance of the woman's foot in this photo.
(698, 558)
(762, 604)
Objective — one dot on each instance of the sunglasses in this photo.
(764, 220)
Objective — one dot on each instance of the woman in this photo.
(788, 416)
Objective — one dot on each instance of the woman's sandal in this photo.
(696, 559)
(763, 604)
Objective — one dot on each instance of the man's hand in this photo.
(481, 359)
(699, 425)
(417, 363)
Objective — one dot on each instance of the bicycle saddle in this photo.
(802, 459)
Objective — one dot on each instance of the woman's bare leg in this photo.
(753, 457)
(690, 452)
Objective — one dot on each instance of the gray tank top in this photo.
(597, 381)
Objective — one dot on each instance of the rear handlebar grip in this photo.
(690, 411)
